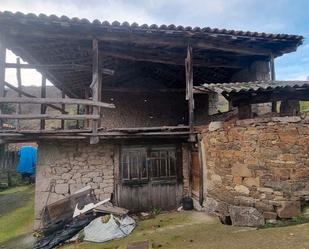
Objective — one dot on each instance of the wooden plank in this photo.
(19, 86)
(96, 87)
(68, 101)
(189, 92)
(29, 95)
(141, 129)
(43, 106)
(105, 71)
(48, 116)
(2, 73)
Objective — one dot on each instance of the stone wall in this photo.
(69, 166)
(256, 169)
(66, 166)
(144, 109)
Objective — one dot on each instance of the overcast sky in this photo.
(276, 16)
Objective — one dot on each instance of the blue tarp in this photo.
(27, 159)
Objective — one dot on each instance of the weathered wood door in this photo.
(195, 174)
(149, 177)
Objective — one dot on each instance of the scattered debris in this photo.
(139, 245)
(110, 209)
(80, 217)
(88, 207)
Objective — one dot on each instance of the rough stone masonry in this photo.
(65, 167)
(256, 169)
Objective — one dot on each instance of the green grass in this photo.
(16, 190)
(304, 106)
(17, 221)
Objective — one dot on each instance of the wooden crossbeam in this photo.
(49, 116)
(56, 101)
(105, 71)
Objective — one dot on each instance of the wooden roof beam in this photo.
(206, 41)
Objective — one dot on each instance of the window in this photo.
(141, 164)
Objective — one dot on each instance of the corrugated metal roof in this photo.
(65, 21)
(253, 86)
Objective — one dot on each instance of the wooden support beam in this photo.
(189, 91)
(155, 38)
(2, 73)
(19, 87)
(96, 87)
(266, 97)
(19, 91)
(273, 78)
(43, 106)
(56, 101)
(62, 110)
(105, 71)
(49, 116)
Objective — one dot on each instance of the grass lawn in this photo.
(183, 230)
(198, 231)
(16, 212)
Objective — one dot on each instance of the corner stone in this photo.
(246, 216)
(288, 209)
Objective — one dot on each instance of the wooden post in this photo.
(43, 106)
(273, 78)
(87, 95)
(77, 112)
(62, 110)
(2, 74)
(95, 86)
(19, 86)
(189, 91)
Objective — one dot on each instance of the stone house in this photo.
(147, 126)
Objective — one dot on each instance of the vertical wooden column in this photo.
(87, 108)
(2, 73)
(62, 110)
(96, 88)
(43, 106)
(77, 112)
(19, 86)
(273, 78)
(189, 91)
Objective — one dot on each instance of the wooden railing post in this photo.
(96, 87)
(2, 74)
(19, 86)
(43, 106)
(273, 78)
(62, 110)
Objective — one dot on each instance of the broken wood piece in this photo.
(110, 209)
(88, 207)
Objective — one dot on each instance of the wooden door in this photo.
(149, 178)
(195, 174)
